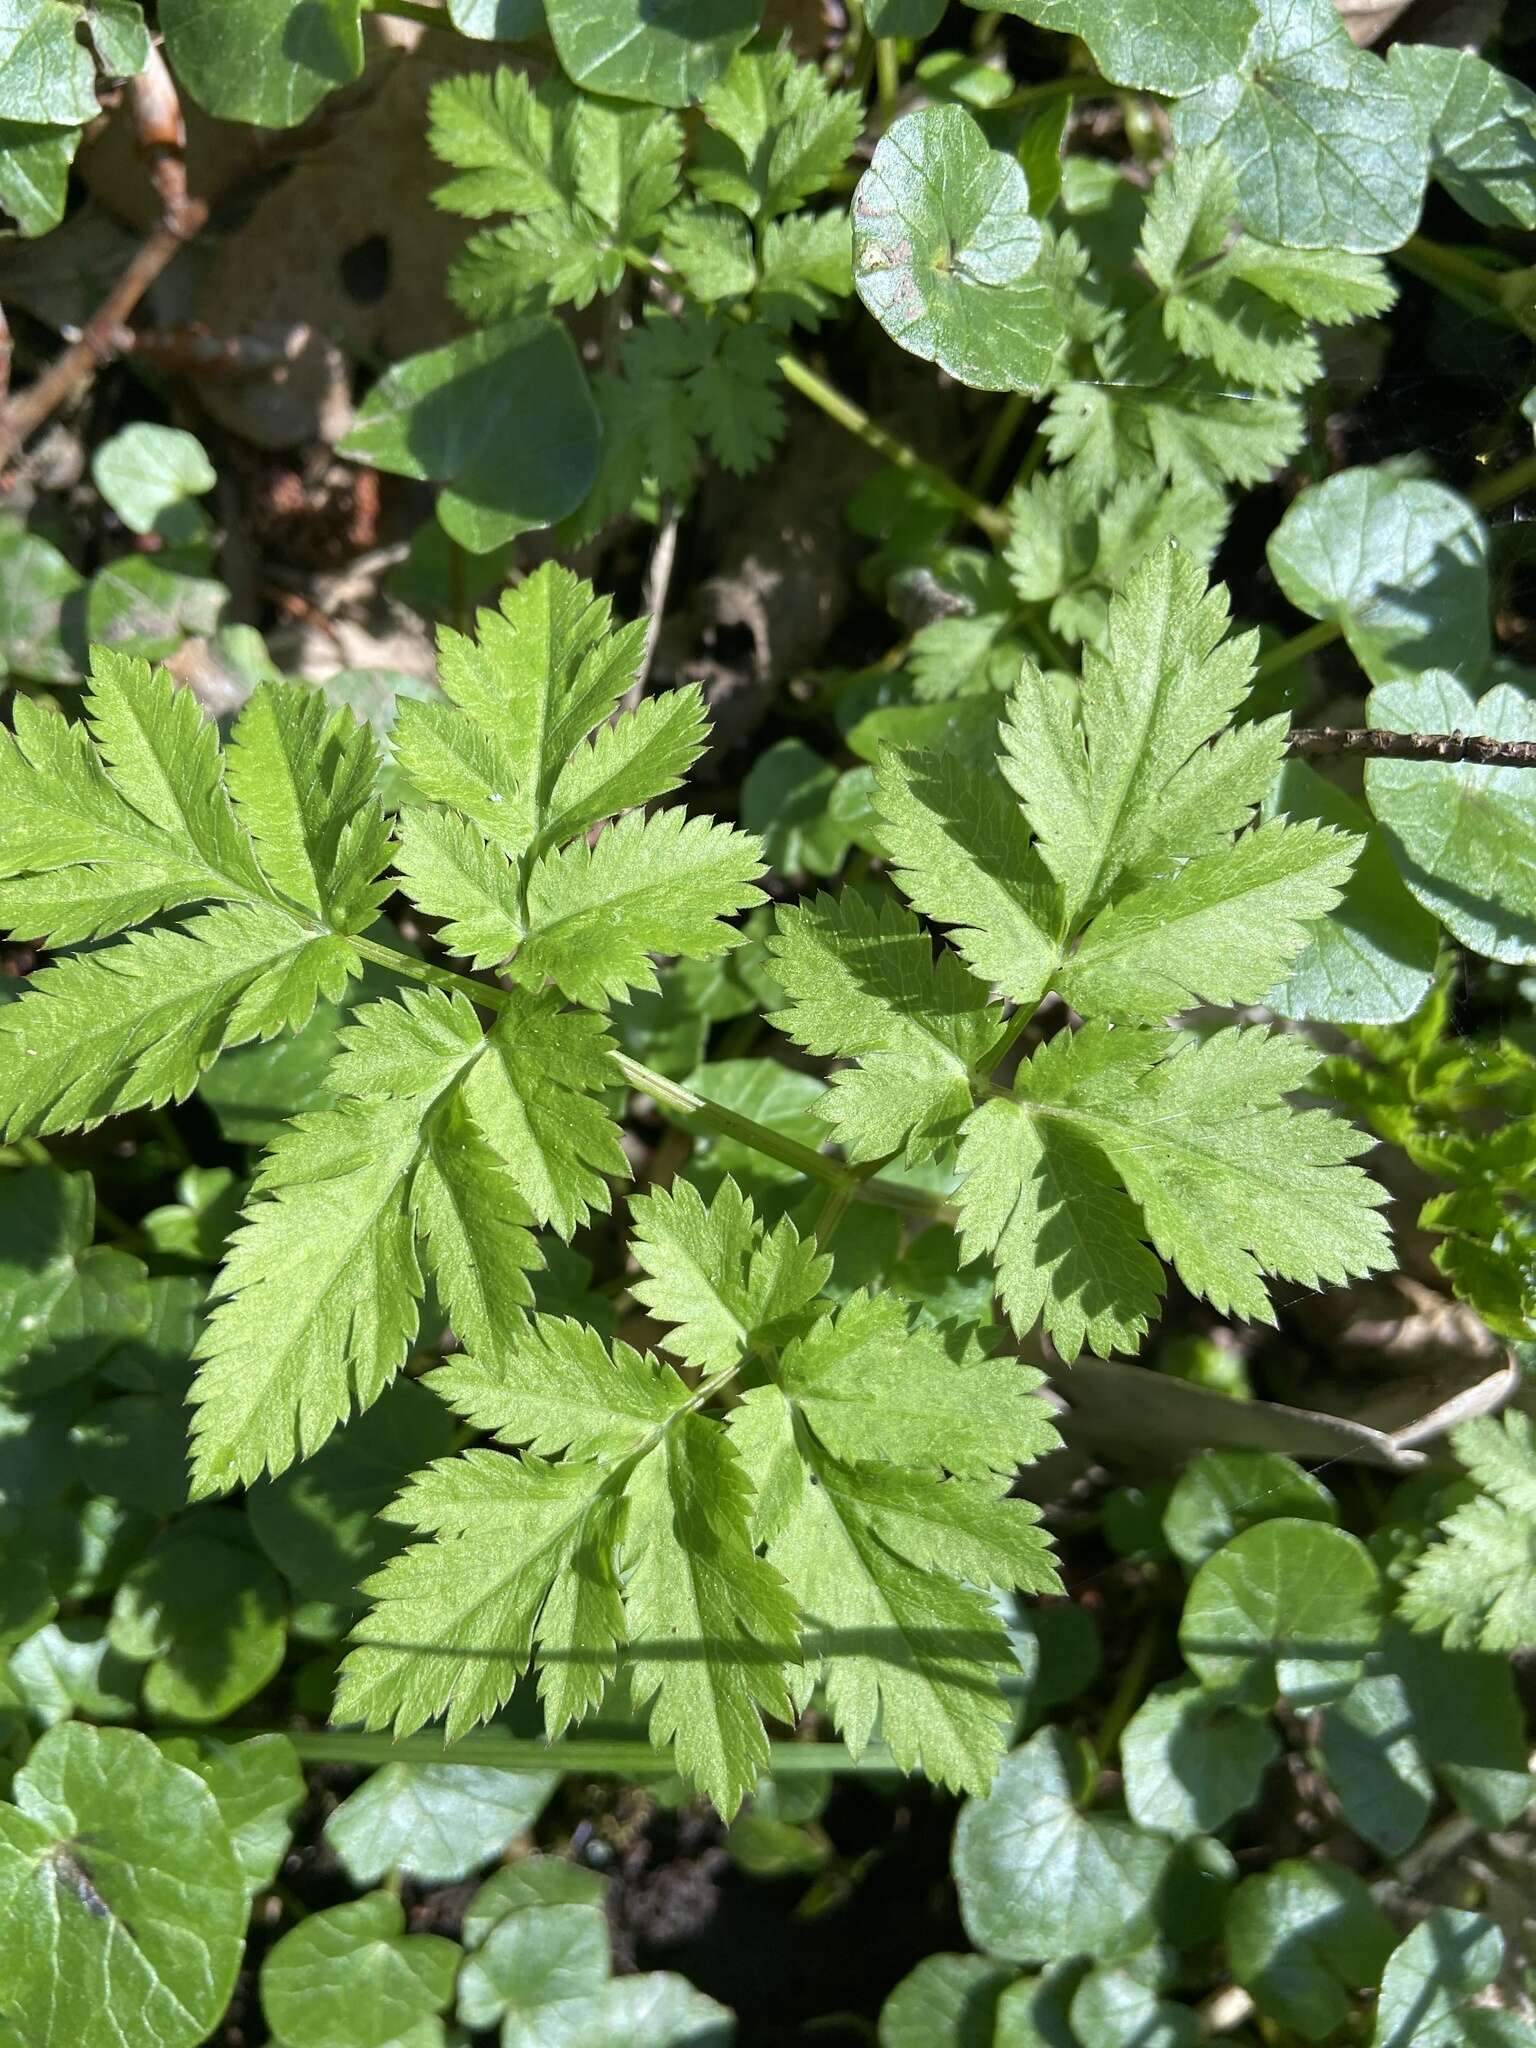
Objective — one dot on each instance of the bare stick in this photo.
(162, 138)
(6, 351)
(658, 581)
(1381, 745)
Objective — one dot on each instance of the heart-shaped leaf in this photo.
(664, 51)
(1288, 1607)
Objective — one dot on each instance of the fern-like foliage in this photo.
(837, 1522)
(448, 1141)
(1478, 1582)
(1106, 853)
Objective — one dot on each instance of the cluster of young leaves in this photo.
(445, 1139)
(595, 188)
(1097, 1926)
(1465, 1112)
(1110, 857)
(832, 1527)
(128, 1869)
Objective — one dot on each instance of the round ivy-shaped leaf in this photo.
(1464, 837)
(1376, 1767)
(69, 1667)
(64, 1303)
(1191, 1761)
(134, 1450)
(1288, 1607)
(1327, 149)
(1220, 1493)
(150, 476)
(665, 51)
(319, 1521)
(903, 17)
(1372, 959)
(784, 799)
(148, 607)
(1300, 1937)
(121, 1903)
(946, 2002)
(1173, 48)
(944, 245)
(1110, 2008)
(1482, 130)
(36, 583)
(539, 1957)
(436, 1822)
(1431, 1983)
(1038, 1879)
(258, 1786)
(1032, 2012)
(503, 418)
(208, 1610)
(46, 73)
(353, 1978)
(1400, 563)
(267, 61)
(536, 1881)
(34, 177)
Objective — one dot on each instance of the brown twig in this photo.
(162, 138)
(1372, 741)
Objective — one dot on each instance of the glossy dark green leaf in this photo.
(121, 1903)
(1289, 1608)
(1372, 959)
(46, 73)
(502, 418)
(267, 61)
(352, 1977)
(208, 1612)
(258, 1786)
(1400, 563)
(34, 174)
(664, 51)
(1328, 151)
(35, 584)
(68, 1667)
(1220, 1493)
(1464, 838)
(944, 247)
(1429, 1992)
(1111, 2008)
(946, 2002)
(64, 1302)
(1191, 1761)
(1172, 48)
(319, 1521)
(1038, 1878)
(1300, 1937)
(785, 799)
(1482, 130)
(504, 21)
(436, 1822)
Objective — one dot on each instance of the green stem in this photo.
(856, 421)
(1127, 1694)
(1497, 490)
(888, 78)
(1472, 283)
(595, 1756)
(1084, 85)
(1297, 648)
(725, 1123)
(1010, 416)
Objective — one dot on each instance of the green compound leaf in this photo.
(1464, 837)
(1173, 48)
(1328, 150)
(775, 135)
(503, 419)
(1482, 131)
(119, 1895)
(1300, 1937)
(862, 981)
(1221, 1493)
(1476, 1584)
(944, 245)
(352, 1977)
(1067, 1179)
(1040, 1880)
(1432, 1981)
(1287, 1607)
(435, 1822)
(267, 61)
(1400, 563)
(1192, 1762)
(667, 52)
